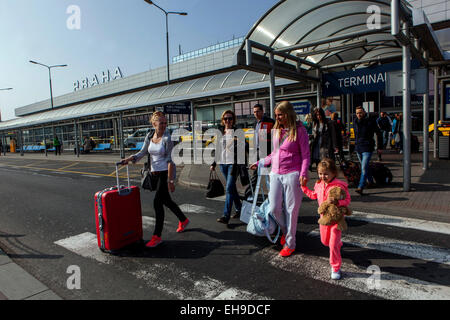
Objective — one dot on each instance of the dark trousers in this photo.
(57, 150)
(162, 198)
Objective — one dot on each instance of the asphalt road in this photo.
(48, 225)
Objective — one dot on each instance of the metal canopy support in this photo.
(272, 85)
(122, 148)
(77, 144)
(436, 97)
(406, 113)
(425, 120)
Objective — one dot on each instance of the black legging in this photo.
(162, 197)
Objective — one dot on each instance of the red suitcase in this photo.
(118, 216)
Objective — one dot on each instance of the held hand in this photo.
(303, 181)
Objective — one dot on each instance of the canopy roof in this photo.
(304, 29)
(221, 83)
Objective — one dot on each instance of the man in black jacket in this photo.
(262, 142)
(365, 128)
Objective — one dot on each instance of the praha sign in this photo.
(106, 76)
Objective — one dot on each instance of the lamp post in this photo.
(51, 93)
(3, 138)
(167, 31)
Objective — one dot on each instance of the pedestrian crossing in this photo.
(378, 281)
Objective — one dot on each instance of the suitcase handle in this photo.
(117, 177)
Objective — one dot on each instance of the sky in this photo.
(103, 35)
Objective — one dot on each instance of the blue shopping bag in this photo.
(262, 222)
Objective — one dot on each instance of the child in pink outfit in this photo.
(329, 235)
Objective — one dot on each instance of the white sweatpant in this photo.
(285, 191)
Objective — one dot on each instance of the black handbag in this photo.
(148, 180)
(215, 187)
(243, 175)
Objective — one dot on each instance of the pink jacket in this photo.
(321, 191)
(290, 156)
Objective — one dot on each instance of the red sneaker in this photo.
(283, 240)
(182, 225)
(286, 252)
(155, 241)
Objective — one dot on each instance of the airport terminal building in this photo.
(285, 56)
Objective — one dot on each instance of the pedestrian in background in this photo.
(365, 129)
(329, 235)
(159, 145)
(385, 125)
(340, 131)
(57, 145)
(324, 142)
(397, 132)
(262, 141)
(229, 165)
(290, 161)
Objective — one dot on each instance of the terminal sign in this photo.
(359, 80)
(106, 76)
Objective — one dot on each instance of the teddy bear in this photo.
(331, 213)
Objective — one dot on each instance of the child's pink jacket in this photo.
(321, 191)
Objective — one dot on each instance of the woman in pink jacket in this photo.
(329, 235)
(290, 163)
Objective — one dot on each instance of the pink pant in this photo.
(331, 237)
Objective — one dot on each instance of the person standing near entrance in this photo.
(262, 141)
(385, 125)
(57, 145)
(365, 128)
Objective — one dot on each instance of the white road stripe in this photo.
(193, 208)
(406, 248)
(417, 224)
(389, 286)
(160, 276)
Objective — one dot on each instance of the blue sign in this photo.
(360, 80)
(302, 107)
(178, 108)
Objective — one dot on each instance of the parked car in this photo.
(137, 136)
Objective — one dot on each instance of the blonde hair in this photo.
(156, 115)
(288, 109)
(327, 164)
(223, 115)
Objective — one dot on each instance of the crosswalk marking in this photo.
(188, 286)
(411, 249)
(409, 223)
(389, 285)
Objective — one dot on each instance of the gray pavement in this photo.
(429, 199)
(17, 284)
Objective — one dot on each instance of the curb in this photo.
(17, 284)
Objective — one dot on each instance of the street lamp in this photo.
(167, 30)
(3, 138)
(51, 92)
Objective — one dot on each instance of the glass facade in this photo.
(214, 48)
